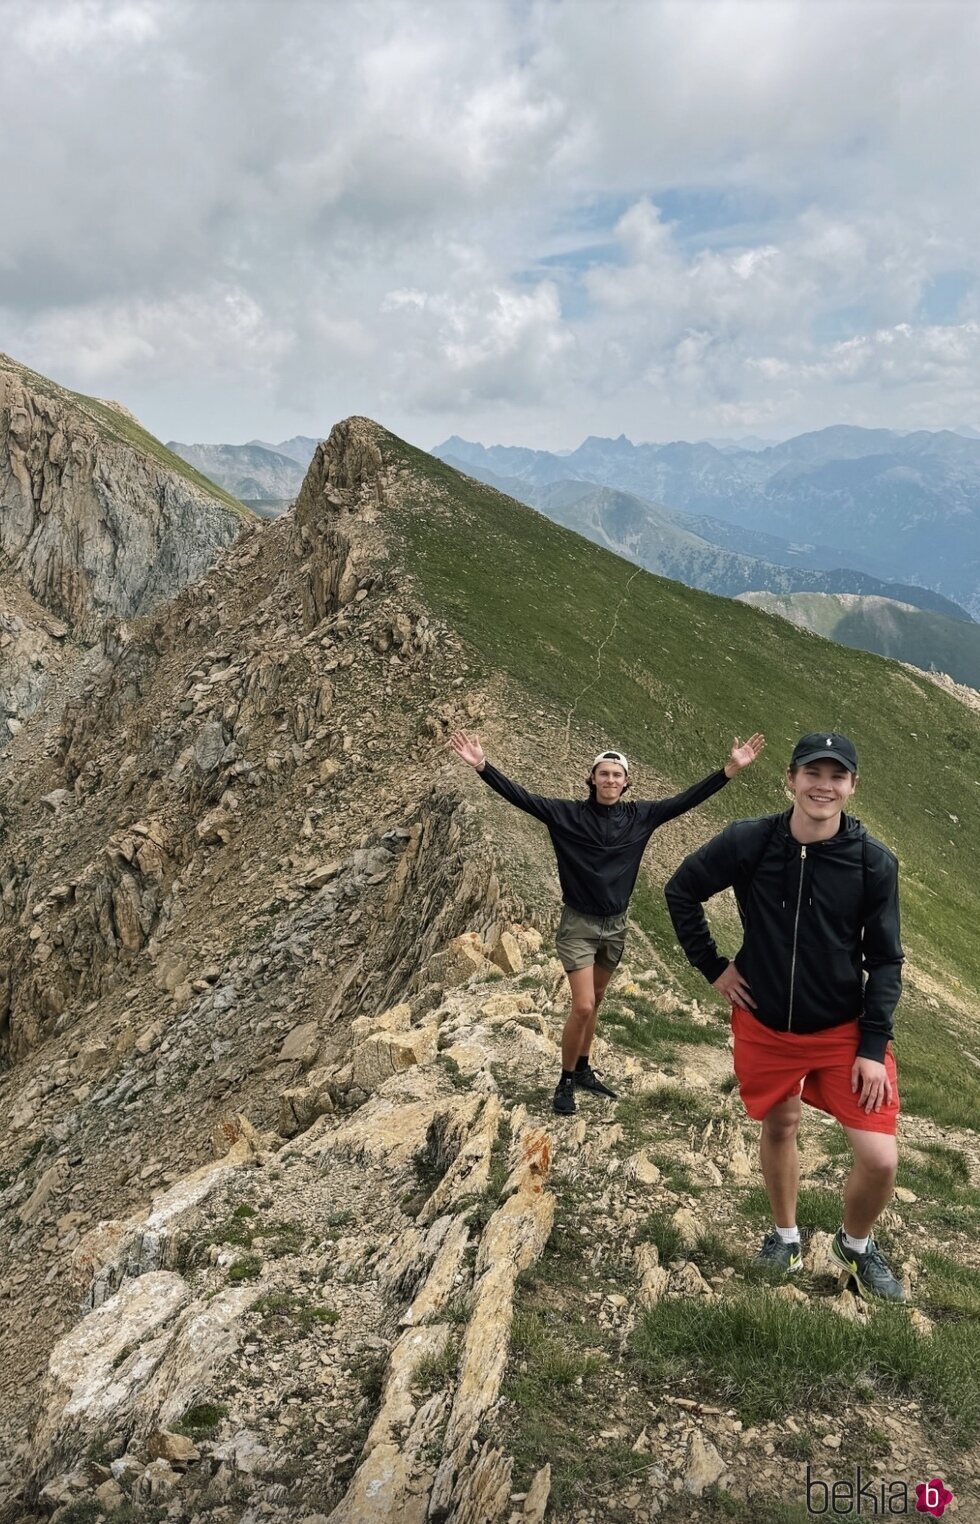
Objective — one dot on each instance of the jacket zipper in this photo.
(796, 928)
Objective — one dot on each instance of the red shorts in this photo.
(771, 1067)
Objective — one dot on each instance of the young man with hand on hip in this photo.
(812, 991)
(598, 842)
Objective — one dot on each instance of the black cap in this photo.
(825, 743)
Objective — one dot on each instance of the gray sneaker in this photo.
(870, 1275)
(777, 1255)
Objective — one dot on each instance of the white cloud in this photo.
(319, 209)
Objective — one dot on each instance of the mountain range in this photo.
(267, 477)
(903, 507)
(701, 551)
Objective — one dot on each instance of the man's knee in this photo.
(876, 1154)
(781, 1125)
(583, 1010)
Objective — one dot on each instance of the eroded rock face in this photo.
(94, 520)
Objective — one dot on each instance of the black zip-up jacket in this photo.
(816, 919)
(599, 846)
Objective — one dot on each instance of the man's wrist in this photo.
(480, 765)
(734, 769)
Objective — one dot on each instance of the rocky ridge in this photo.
(279, 1170)
(232, 821)
(96, 519)
(317, 1323)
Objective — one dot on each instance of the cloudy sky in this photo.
(523, 221)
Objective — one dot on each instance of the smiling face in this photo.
(610, 782)
(820, 790)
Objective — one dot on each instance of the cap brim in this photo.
(825, 756)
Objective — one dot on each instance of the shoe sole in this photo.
(864, 1292)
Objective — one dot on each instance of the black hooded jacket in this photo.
(820, 924)
(599, 846)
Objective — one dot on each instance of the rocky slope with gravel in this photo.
(287, 1229)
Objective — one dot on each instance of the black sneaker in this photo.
(587, 1079)
(564, 1102)
(777, 1255)
(870, 1276)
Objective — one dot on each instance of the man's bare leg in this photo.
(581, 1017)
(871, 1181)
(600, 979)
(780, 1159)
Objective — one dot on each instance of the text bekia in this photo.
(875, 1497)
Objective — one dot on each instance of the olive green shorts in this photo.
(585, 939)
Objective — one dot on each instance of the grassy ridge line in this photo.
(132, 434)
(893, 629)
(687, 670)
(125, 431)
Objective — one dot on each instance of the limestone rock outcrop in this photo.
(97, 517)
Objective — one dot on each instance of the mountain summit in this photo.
(288, 1229)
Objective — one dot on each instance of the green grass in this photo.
(663, 1104)
(717, 668)
(283, 1313)
(940, 1171)
(816, 1208)
(433, 1372)
(248, 1268)
(675, 1174)
(645, 1030)
(939, 1175)
(767, 1357)
(202, 1420)
(548, 1387)
(928, 1054)
(657, 1229)
(949, 1287)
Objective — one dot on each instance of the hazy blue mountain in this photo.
(300, 448)
(255, 474)
(906, 504)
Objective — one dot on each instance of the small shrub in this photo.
(202, 1420)
(246, 1269)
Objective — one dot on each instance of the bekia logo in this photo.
(932, 1497)
(874, 1497)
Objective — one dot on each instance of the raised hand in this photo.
(468, 749)
(745, 753)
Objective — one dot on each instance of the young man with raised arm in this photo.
(812, 991)
(598, 843)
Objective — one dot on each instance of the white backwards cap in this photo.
(611, 756)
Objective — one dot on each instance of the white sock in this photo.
(859, 1245)
(788, 1235)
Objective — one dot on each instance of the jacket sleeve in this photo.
(547, 810)
(703, 873)
(882, 956)
(659, 811)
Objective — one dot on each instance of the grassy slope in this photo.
(682, 673)
(892, 629)
(126, 431)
